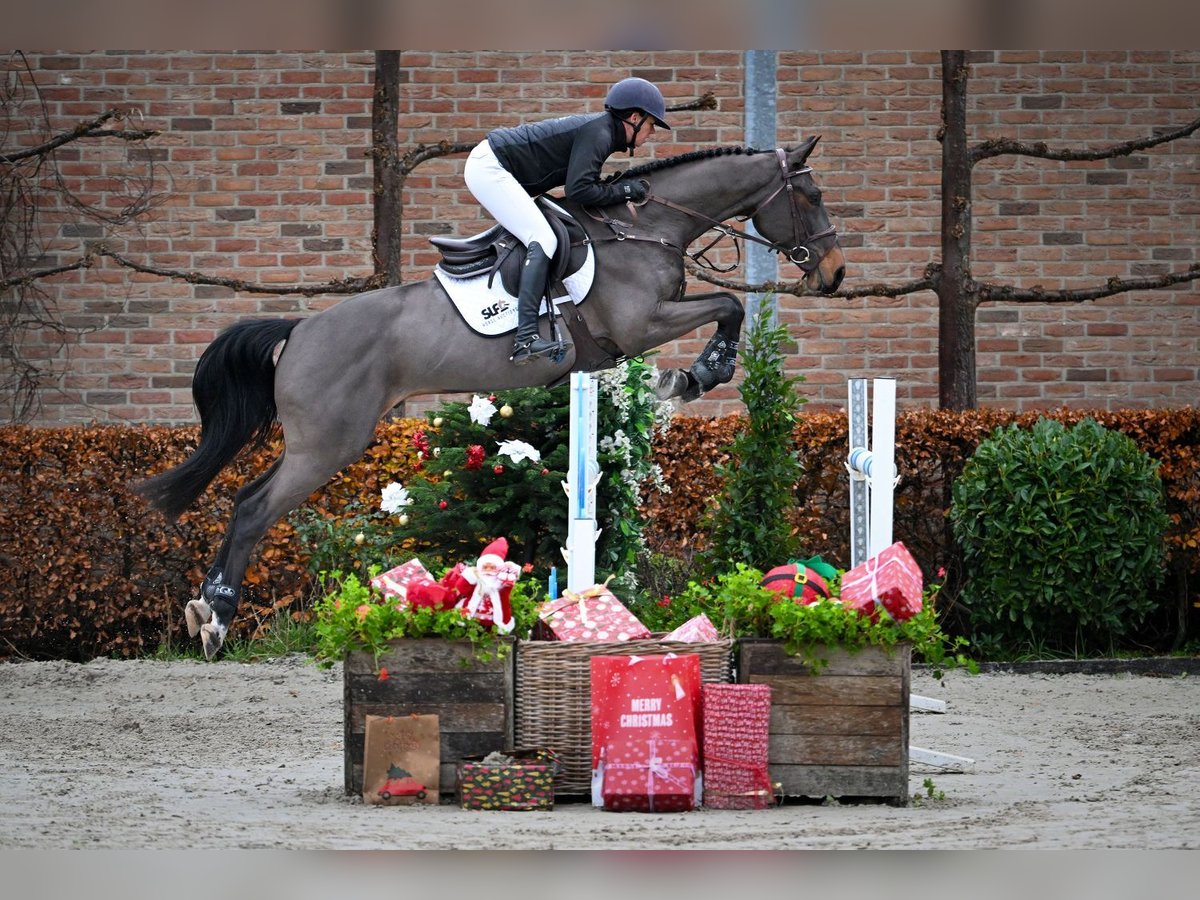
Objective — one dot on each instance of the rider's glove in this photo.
(634, 191)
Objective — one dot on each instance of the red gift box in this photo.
(645, 714)
(737, 722)
(590, 615)
(891, 580)
(650, 775)
(394, 582)
(696, 629)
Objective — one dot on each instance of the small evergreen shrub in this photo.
(752, 522)
(1061, 533)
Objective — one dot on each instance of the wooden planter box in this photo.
(473, 700)
(842, 732)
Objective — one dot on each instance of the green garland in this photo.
(740, 606)
(355, 617)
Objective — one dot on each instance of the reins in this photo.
(801, 243)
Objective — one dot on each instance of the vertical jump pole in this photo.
(583, 474)
(872, 468)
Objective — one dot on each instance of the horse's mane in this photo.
(656, 165)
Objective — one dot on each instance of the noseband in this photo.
(799, 252)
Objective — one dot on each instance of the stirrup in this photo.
(536, 347)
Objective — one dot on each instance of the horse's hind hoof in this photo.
(212, 637)
(197, 613)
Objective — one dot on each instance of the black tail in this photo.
(234, 391)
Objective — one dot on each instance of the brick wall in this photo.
(265, 179)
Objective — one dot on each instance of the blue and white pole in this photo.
(583, 474)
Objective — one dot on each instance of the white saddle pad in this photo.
(492, 311)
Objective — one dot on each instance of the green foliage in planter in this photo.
(739, 605)
(1062, 536)
(353, 616)
(752, 520)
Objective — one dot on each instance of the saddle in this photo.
(497, 251)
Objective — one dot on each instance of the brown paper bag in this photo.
(402, 760)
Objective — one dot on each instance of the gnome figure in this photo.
(493, 577)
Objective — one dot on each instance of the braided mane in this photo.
(672, 161)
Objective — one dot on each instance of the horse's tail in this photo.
(234, 391)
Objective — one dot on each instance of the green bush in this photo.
(1061, 533)
(752, 522)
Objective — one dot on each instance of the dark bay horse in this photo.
(328, 378)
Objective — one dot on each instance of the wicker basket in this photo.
(553, 702)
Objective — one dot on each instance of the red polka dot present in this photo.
(590, 615)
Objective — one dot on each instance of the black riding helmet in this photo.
(638, 93)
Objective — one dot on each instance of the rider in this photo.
(513, 165)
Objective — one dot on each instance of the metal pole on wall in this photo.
(872, 467)
(760, 90)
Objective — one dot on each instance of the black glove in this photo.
(634, 191)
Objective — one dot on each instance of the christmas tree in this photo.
(494, 467)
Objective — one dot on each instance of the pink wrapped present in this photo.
(590, 615)
(737, 720)
(696, 629)
(654, 775)
(891, 580)
(393, 582)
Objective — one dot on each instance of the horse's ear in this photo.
(807, 148)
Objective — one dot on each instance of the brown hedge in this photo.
(88, 570)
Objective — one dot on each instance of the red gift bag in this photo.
(645, 718)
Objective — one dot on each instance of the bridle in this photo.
(800, 252)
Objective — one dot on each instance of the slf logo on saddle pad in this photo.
(492, 310)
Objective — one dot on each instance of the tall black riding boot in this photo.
(529, 344)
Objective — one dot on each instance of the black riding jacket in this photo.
(566, 152)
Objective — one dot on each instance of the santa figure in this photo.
(492, 577)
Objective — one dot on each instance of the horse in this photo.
(328, 378)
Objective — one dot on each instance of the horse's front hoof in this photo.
(212, 637)
(197, 613)
(671, 383)
(693, 391)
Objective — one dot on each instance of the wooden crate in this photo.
(472, 699)
(554, 695)
(842, 732)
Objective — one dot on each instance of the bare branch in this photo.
(341, 286)
(707, 101)
(800, 289)
(90, 129)
(996, 292)
(26, 278)
(1007, 146)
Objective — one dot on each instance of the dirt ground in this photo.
(169, 755)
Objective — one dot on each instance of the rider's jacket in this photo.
(566, 152)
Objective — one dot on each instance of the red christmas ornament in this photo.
(384, 675)
(475, 454)
(442, 504)
(498, 469)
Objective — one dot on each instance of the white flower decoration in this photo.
(481, 409)
(395, 498)
(518, 450)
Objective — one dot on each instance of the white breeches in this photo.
(502, 195)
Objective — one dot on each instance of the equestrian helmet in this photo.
(638, 93)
